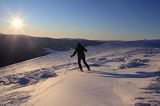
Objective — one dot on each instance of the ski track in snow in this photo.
(41, 81)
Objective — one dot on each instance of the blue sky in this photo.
(90, 19)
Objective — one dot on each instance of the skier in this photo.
(81, 56)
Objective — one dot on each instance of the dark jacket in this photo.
(80, 51)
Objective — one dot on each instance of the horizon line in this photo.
(43, 36)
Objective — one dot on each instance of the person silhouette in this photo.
(81, 56)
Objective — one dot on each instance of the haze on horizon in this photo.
(89, 19)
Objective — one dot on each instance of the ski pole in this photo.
(68, 65)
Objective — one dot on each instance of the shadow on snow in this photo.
(135, 75)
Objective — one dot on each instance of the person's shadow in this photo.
(135, 75)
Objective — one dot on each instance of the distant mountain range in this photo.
(16, 48)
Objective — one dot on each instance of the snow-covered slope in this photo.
(115, 80)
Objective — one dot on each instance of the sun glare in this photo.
(17, 23)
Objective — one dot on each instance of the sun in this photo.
(17, 23)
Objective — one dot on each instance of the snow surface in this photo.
(117, 78)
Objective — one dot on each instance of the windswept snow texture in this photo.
(134, 63)
(14, 99)
(120, 76)
(27, 78)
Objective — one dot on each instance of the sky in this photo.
(88, 19)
